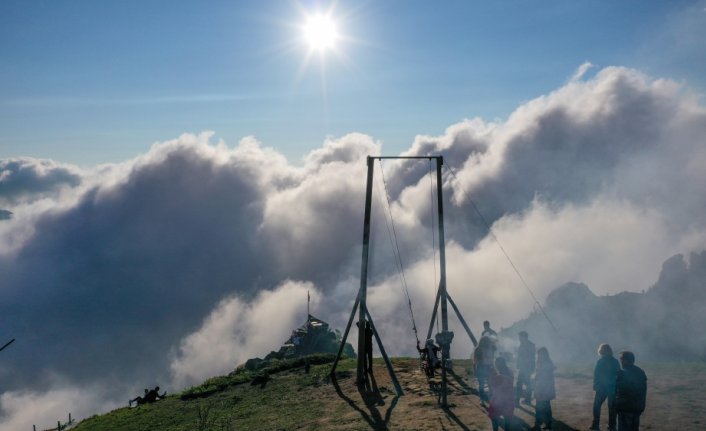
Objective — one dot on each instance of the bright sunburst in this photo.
(320, 32)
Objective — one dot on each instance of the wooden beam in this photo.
(463, 322)
(393, 377)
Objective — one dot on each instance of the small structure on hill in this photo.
(314, 336)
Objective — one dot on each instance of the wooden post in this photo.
(363, 292)
(395, 382)
(433, 314)
(344, 337)
(445, 337)
(360, 304)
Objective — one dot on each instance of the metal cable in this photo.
(492, 234)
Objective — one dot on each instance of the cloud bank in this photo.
(28, 179)
(187, 260)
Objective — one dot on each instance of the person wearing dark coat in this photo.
(605, 374)
(525, 368)
(630, 393)
(138, 400)
(369, 346)
(154, 395)
(544, 390)
(151, 396)
(483, 357)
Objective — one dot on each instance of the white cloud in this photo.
(236, 331)
(27, 179)
(22, 409)
(581, 71)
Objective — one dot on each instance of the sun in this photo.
(320, 32)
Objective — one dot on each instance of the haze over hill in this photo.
(664, 323)
(195, 256)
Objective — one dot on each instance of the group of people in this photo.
(621, 383)
(535, 374)
(150, 396)
(624, 385)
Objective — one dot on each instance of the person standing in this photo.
(501, 404)
(488, 331)
(525, 368)
(368, 347)
(630, 393)
(544, 390)
(605, 374)
(483, 357)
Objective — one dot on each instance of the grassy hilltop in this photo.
(290, 399)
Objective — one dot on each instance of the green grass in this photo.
(230, 402)
(292, 399)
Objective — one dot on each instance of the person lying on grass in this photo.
(150, 397)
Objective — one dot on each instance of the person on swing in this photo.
(430, 352)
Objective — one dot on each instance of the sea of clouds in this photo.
(197, 255)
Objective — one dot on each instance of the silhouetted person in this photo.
(430, 355)
(153, 395)
(501, 403)
(138, 400)
(630, 393)
(369, 346)
(605, 374)
(488, 331)
(544, 390)
(525, 368)
(483, 357)
(149, 397)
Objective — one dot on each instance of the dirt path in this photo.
(675, 400)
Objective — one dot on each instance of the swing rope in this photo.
(396, 252)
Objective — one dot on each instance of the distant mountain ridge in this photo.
(665, 323)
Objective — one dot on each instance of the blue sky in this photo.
(87, 82)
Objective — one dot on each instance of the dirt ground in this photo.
(675, 400)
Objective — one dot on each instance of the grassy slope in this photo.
(230, 402)
(294, 400)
